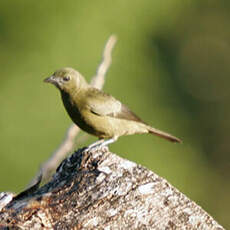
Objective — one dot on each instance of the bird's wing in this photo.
(127, 114)
(104, 104)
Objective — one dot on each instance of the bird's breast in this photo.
(75, 111)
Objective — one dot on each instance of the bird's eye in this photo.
(66, 78)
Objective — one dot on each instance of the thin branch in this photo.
(68, 143)
(99, 79)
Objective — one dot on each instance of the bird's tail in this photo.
(164, 135)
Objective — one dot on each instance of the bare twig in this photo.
(99, 79)
(68, 143)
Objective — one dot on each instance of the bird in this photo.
(97, 112)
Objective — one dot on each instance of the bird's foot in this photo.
(100, 144)
(96, 144)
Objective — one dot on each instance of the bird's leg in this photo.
(101, 143)
(109, 141)
(95, 144)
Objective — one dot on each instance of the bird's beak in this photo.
(50, 79)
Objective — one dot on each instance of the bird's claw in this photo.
(98, 145)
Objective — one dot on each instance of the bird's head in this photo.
(67, 79)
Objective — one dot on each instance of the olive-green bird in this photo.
(96, 112)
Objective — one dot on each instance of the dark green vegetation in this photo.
(170, 65)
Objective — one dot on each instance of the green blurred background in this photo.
(171, 66)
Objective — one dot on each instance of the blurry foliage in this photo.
(171, 66)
